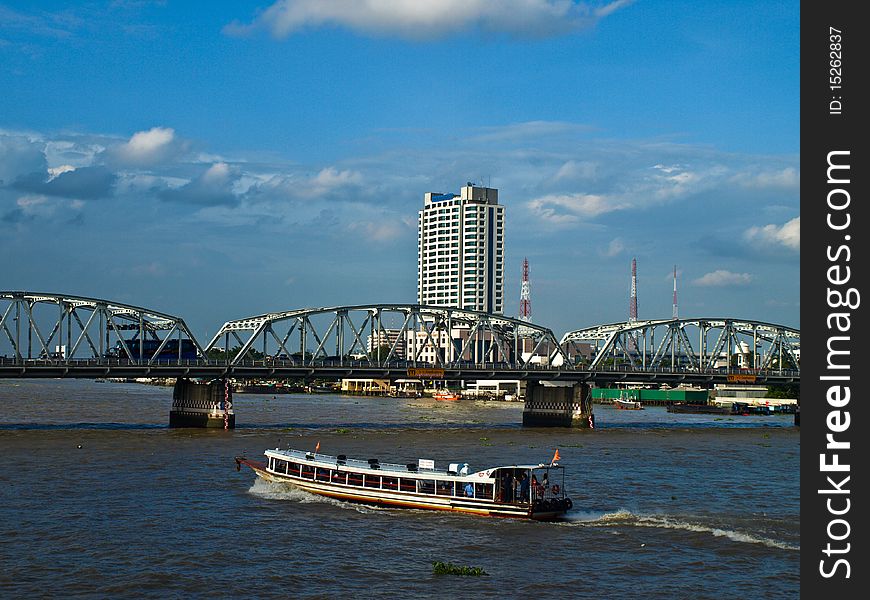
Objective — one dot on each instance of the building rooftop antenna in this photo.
(525, 294)
(632, 303)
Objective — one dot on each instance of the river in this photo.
(99, 498)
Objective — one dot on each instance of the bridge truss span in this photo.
(696, 344)
(65, 327)
(382, 334)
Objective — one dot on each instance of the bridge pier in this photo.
(558, 405)
(202, 404)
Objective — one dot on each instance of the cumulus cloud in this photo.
(787, 235)
(87, 183)
(147, 147)
(331, 178)
(608, 188)
(723, 278)
(329, 183)
(53, 172)
(33, 207)
(416, 20)
(213, 187)
(571, 208)
(20, 156)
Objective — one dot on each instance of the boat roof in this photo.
(364, 464)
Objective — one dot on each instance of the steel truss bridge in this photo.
(757, 345)
(57, 335)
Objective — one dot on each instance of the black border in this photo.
(821, 133)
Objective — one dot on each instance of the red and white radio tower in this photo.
(632, 304)
(525, 294)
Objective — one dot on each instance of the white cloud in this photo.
(571, 208)
(330, 178)
(147, 147)
(573, 170)
(39, 207)
(19, 155)
(614, 248)
(430, 19)
(527, 130)
(378, 231)
(218, 173)
(788, 235)
(722, 278)
(53, 172)
(212, 187)
(786, 178)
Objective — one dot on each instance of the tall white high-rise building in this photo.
(460, 258)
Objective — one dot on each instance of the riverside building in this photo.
(460, 258)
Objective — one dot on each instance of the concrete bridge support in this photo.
(554, 405)
(202, 404)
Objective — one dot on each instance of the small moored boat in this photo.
(627, 404)
(524, 491)
(324, 388)
(446, 395)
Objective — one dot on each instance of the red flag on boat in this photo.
(555, 457)
(317, 447)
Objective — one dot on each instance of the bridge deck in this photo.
(91, 369)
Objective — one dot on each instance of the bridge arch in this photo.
(757, 344)
(441, 336)
(39, 323)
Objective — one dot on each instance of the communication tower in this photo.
(632, 303)
(525, 294)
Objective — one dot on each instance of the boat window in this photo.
(338, 477)
(281, 466)
(426, 486)
(293, 469)
(407, 485)
(307, 472)
(444, 488)
(322, 474)
(354, 479)
(372, 481)
(483, 490)
(390, 483)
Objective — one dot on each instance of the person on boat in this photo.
(537, 488)
(524, 486)
(546, 480)
(507, 487)
(469, 489)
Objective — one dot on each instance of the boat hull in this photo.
(386, 498)
(178, 418)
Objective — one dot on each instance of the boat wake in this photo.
(281, 491)
(625, 518)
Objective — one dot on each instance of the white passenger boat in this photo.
(525, 491)
(627, 404)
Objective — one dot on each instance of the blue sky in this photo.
(260, 156)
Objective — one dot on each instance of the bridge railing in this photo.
(349, 365)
